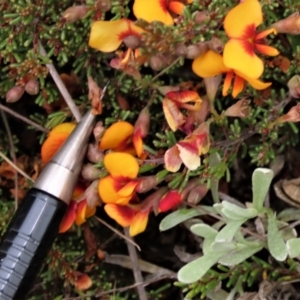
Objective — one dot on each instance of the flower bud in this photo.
(197, 194)
(157, 62)
(132, 41)
(293, 115)
(194, 51)
(82, 281)
(200, 16)
(240, 109)
(143, 122)
(294, 86)
(14, 94)
(289, 25)
(32, 87)
(90, 173)
(212, 85)
(170, 200)
(94, 154)
(103, 5)
(123, 103)
(91, 194)
(147, 183)
(98, 131)
(181, 50)
(216, 45)
(75, 13)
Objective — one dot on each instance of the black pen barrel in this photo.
(27, 241)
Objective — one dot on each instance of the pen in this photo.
(35, 224)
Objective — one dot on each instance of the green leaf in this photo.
(194, 270)
(276, 243)
(293, 247)
(261, 180)
(227, 232)
(204, 230)
(214, 160)
(289, 214)
(234, 212)
(241, 255)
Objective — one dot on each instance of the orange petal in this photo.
(80, 212)
(68, 218)
(120, 164)
(52, 144)
(172, 114)
(238, 86)
(82, 281)
(184, 96)
(261, 35)
(244, 14)
(63, 127)
(90, 211)
(157, 10)
(227, 83)
(242, 59)
(79, 190)
(116, 135)
(188, 152)
(266, 50)
(107, 190)
(128, 189)
(106, 36)
(129, 149)
(255, 83)
(138, 142)
(170, 200)
(139, 223)
(172, 159)
(209, 64)
(176, 7)
(123, 215)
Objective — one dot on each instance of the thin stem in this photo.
(22, 118)
(136, 268)
(60, 85)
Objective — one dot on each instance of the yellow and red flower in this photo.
(211, 64)
(159, 10)
(244, 41)
(188, 150)
(119, 186)
(175, 100)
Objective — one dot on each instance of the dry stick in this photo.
(118, 232)
(60, 85)
(22, 118)
(136, 268)
(15, 167)
(13, 155)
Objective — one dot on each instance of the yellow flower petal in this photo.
(116, 135)
(172, 159)
(237, 57)
(107, 190)
(188, 152)
(255, 83)
(121, 165)
(128, 189)
(241, 16)
(81, 212)
(106, 36)
(68, 218)
(139, 223)
(209, 64)
(266, 50)
(172, 114)
(153, 10)
(138, 142)
(62, 128)
(123, 215)
(184, 96)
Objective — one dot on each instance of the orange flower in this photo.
(123, 137)
(159, 10)
(188, 150)
(240, 26)
(56, 138)
(175, 100)
(119, 186)
(107, 36)
(211, 64)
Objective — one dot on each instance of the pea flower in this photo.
(188, 150)
(175, 100)
(119, 186)
(159, 10)
(240, 26)
(211, 64)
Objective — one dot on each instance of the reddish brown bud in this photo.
(197, 194)
(132, 41)
(147, 183)
(157, 62)
(14, 94)
(91, 195)
(75, 13)
(200, 16)
(293, 115)
(143, 122)
(123, 103)
(103, 5)
(82, 281)
(212, 85)
(294, 86)
(32, 87)
(289, 25)
(181, 50)
(94, 154)
(216, 45)
(90, 173)
(98, 131)
(240, 109)
(194, 51)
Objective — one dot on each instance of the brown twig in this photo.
(136, 268)
(60, 85)
(22, 118)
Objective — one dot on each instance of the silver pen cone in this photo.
(59, 177)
